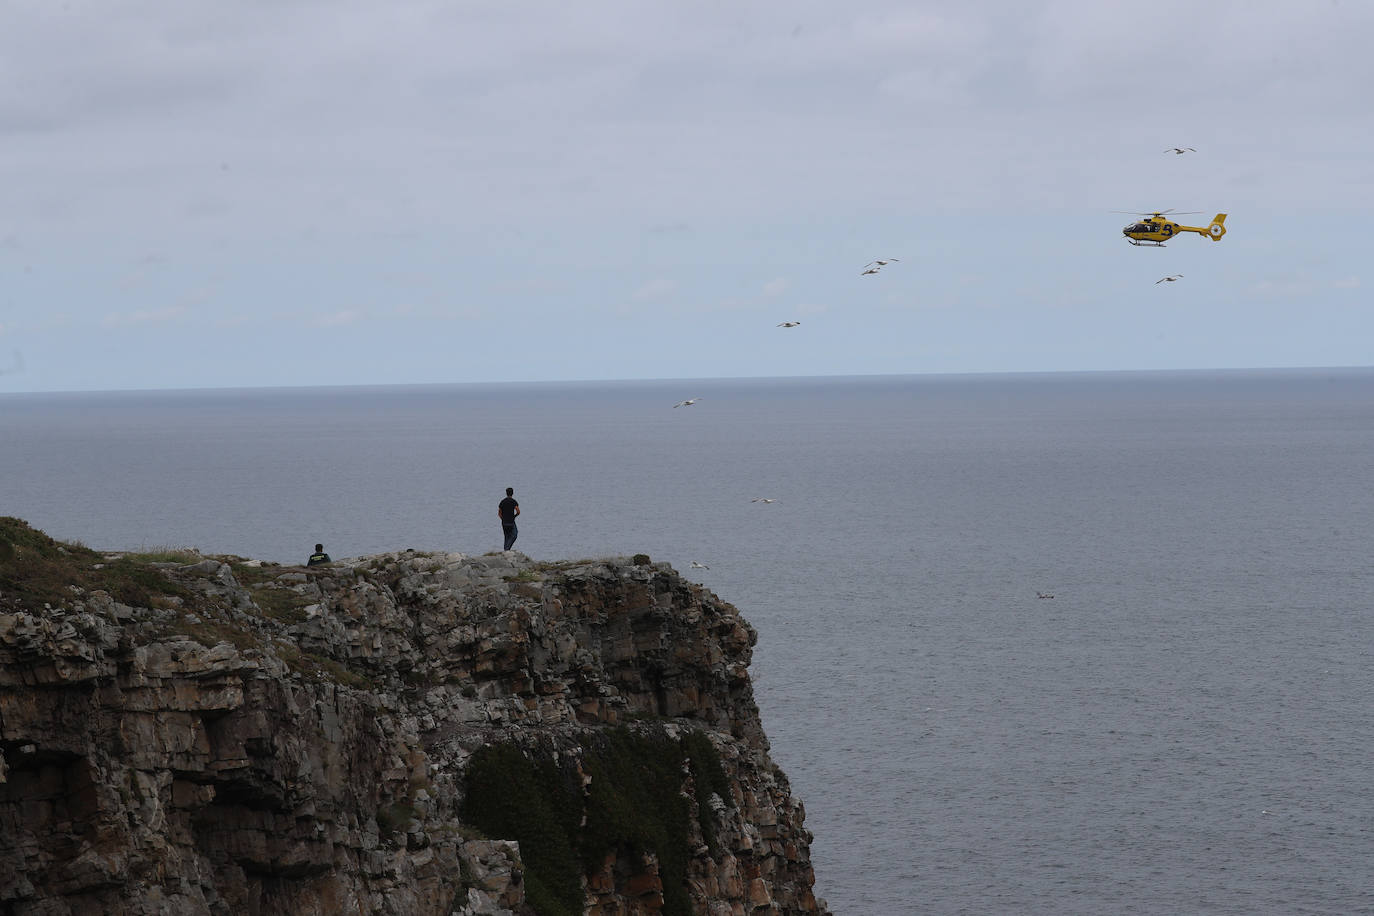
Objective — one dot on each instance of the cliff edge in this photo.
(409, 733)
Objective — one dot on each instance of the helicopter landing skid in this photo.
(1141, 244)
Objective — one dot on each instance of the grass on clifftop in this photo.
(37, 570)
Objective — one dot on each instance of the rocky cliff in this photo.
(411, 733)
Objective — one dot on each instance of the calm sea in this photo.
(1186, 727)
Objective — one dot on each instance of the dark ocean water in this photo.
(1185, 727)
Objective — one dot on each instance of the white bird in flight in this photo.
(872, 267)
(1180, 150)
(687, 403)
(696, 565)
(760, 499)
(1169, 279)
(789, 324)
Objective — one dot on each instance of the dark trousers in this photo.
(511, 534)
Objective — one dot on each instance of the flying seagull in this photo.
(882, 263)
(871, 270)
(696, 565)
(760, 499)
(1180, 150)
(789, 324)
(1043, 595)
(687, 403)
(1170, 279)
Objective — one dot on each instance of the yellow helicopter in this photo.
(1155, 230)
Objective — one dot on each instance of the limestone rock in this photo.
(295, 741)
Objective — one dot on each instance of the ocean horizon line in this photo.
(1233, 371)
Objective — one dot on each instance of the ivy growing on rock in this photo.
(510, 796)
(634, 805)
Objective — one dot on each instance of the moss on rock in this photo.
(635, 804)
(509, 795)
(36, 570)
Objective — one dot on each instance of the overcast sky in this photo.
(321, 192)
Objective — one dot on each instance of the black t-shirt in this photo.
(507, 510)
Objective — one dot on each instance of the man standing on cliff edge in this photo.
(508, 510)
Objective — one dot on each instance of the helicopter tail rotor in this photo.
(1218, 227)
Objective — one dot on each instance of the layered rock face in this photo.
(279, 740)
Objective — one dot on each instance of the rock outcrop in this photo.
(412, 733)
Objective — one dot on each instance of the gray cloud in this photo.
(298, 154)
(402, 113)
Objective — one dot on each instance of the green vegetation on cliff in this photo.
(37, 570)
(510, 796)
(634, 804)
